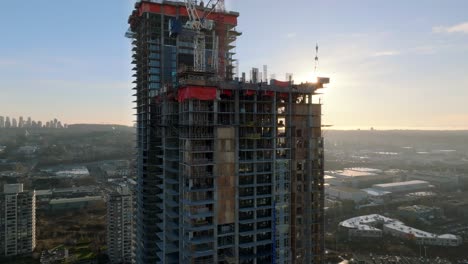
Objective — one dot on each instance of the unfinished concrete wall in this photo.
(224, 156)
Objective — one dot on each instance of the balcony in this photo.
(200, 224)
(201, 185)
(200, 211)
(201, 250)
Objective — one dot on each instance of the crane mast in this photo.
(199, 25)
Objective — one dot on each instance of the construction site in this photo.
(230, 170)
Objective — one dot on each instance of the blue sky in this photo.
(393, 64)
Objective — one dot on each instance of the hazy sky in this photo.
(393, 64)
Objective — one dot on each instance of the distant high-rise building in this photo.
(2, 122)
(59, 124)
(21, 122)
(14, 123)
(47, 125)
(228, 172)
(7, 122)
(289, 77)
(29, 122)
(39, 124)
(17, 220)
(120, 227)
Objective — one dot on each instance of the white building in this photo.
(345, 193)
(120, 226)
(377, 196)
(421, 237)
(365, 226)
(406, 186)
(17, 220)
(357, 177)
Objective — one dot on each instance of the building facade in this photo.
(120, 225)
(17, 221)
(228, 171)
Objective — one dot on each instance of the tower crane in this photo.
(198, 23)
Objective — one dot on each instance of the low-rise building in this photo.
(73, 203)
(402, 187)
(421, 237)
(357, 177)
(365, 226)
(346, 193)
(377, 196)
(368, 226)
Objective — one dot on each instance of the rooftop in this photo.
(404, 183)
(362, 169)
(346, 189)
(376, 192)
(75, 200)
(365, 223)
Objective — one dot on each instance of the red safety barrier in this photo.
(204, 93)
(249, 92)
(172, 10)
(226, 92)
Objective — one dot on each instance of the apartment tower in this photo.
(17, 220)
(229, 171)
(120, 225)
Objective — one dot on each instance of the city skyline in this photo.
(28, 122)
(410, 57)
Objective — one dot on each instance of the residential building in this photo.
(7, 122)
(228, 171)
(17, 220)
(120, 226)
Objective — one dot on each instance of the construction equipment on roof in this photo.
(199, 25)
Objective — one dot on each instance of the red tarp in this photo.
(283, 95)
(249, 92)
(227, 92)
(281, 84)
(268, 93)
(171, 10)
(197, 92)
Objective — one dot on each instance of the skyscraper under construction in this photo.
(229, 171)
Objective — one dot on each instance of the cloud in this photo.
(386, 53)
(458, 28)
